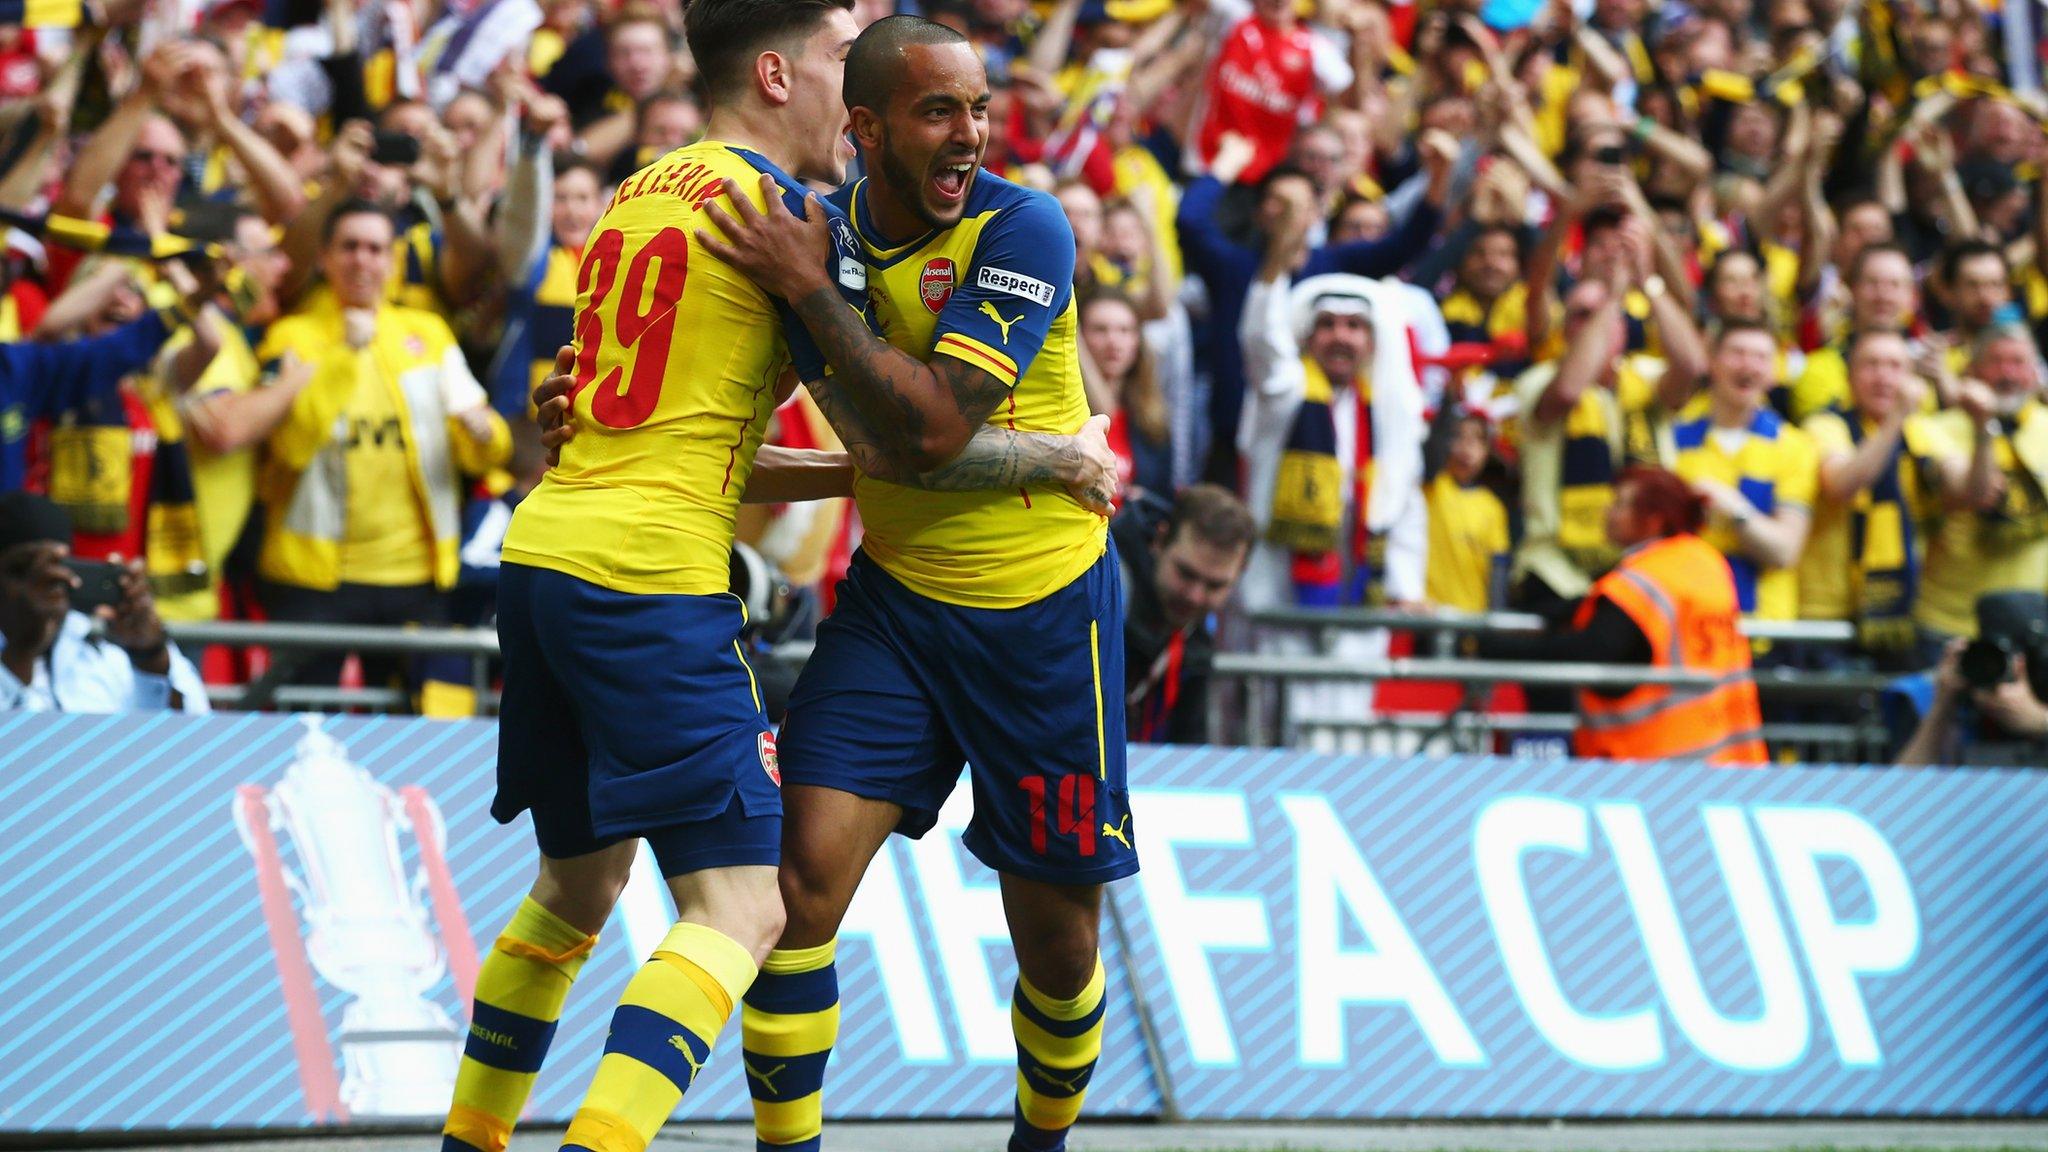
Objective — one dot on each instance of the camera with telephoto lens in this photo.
(2009, 624)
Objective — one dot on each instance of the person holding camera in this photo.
(80, 636)
(1986, 706)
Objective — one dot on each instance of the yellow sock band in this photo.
(602, 1131)
(721, 1000)
(714, 953)
(478, 1129)
(538, 934)
(791, 961)
(1082, 1003)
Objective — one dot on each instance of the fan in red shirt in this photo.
(1264, 84)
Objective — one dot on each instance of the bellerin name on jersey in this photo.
(695, 183)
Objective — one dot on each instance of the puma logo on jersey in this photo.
(1118, 832)
(681, 1045)
(1071, 1085)
(989, 310)
(767, 1078)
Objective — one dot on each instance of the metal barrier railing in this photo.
(1467, 728)
(478, 645)
(270, 690)
(1850, 731)
(1834, 632)
(1857, 738)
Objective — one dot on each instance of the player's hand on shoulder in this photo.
(551, 403)
(1094, 482)
(785, 254)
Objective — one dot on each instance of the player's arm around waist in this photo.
(993, 459)
(793, 475)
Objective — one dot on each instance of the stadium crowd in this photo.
(1417, 283)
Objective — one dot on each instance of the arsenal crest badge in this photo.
(935, 283)
(770, 762)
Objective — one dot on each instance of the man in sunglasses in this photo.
(181, 109)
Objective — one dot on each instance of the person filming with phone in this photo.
(80, 636)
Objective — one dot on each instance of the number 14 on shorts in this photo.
(1071, 813)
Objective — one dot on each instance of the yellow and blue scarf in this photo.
(92, 475)
(1884, 576)
(1308, 503)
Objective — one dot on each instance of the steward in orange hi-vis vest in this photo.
(1680, 593)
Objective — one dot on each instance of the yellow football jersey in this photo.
(1973, 554)
(1774, 466)
(678, 357)
(994, 290)
(1468, 542)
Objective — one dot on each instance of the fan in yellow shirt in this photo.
(1995, 536)
(1882, 298)
(1756, 471)
(1878, 481)
(1468, 526)
(364, 476)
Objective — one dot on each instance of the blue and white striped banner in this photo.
(228, 922)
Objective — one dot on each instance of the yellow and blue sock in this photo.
(1058, 1042)
(520, 987)
(787, 1028)
(661, 1035)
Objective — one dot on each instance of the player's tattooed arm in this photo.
(922, 414)
(995, 459)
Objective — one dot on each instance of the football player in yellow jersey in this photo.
(974, 627)
(629, 712)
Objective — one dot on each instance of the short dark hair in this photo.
(659, 96)
(1857, 338)
(1712, 275)
(1497, 229)
(1734, 325)
(1214, 515)
(872, 66)
(726, 35)
(568, 162)
(1881, 248)
(1601, 219)
(354, 206)
(1285, 170)
(1952, 257)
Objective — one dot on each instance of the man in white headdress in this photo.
(1332, 441)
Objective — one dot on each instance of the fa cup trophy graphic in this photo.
(346, 909)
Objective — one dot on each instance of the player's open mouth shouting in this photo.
(951, 181)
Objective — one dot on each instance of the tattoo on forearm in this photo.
(880, 392)
(996, 459)
(862, 445)
(880, 382)
(999, 459)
